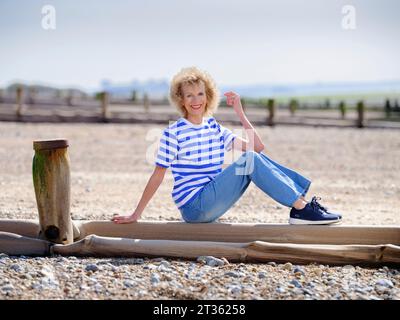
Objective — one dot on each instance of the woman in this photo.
(194, 147)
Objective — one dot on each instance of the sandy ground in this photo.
(356, 172)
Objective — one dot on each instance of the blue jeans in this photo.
(280, 183)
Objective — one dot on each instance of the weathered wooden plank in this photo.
(228, 232)
(257, 251)
(245, 232)
(15, 244)
(24, 227)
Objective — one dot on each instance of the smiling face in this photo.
(194, 99)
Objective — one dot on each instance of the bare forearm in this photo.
(151, 187)
(252, 135)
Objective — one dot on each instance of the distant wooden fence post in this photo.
(51, 180)
(104, 105)
(342, 109)
(271, 111)
(396, 106)
(1, 95)
(293, 105)
(361, 114)
(388, 108)
(19, 101)
(146, 103)
(134, 96)
(70, 98)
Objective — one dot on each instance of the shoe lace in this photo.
(315, 204)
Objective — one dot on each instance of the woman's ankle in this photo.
(299, 204)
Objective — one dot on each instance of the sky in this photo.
(237, 42)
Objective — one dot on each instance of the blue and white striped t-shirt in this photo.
(195, 154)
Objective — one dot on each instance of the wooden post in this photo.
(388, 108)
(51, 179)
(361, 112)
(70, 98)
(271, 111)
(342, 109)
(1, 95)
(104, 105)
(134, 96)
(396, 106)
(19, 101)
(146, 103)
(293, 104)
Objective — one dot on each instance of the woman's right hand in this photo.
(126, 219)
(233, 99)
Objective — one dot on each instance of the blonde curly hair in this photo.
(193, 75)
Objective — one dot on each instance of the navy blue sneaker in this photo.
(315, 201)
(313, 213)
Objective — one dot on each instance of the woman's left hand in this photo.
(233, 99)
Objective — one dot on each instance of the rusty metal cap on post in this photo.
(50, 144)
